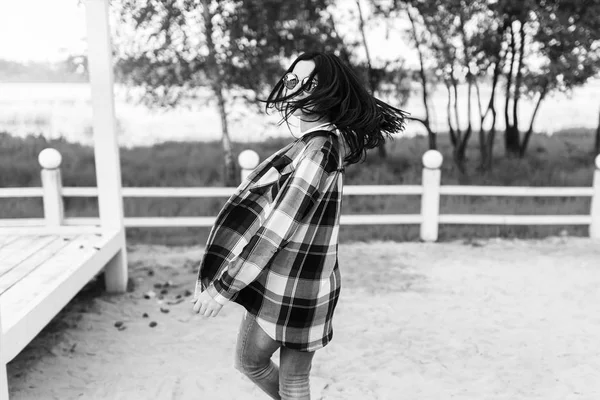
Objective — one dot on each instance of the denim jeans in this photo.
(253, 358)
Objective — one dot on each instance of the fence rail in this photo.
(429, 218)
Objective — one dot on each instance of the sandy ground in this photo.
(480, 320)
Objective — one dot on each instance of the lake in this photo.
(64, 110)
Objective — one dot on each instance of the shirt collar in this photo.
(321, 127)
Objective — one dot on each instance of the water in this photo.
(63, 110)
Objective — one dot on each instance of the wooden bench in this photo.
(45, 262)
(41, 270)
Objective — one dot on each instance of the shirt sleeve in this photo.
(294, 201)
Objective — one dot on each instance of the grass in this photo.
(563, 159)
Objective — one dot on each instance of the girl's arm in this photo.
(291, 205)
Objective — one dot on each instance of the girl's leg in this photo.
(294, 371)
(253, 356)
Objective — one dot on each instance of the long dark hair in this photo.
(363, 120)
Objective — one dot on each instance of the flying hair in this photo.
(364, 121)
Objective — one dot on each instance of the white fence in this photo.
(429, 218)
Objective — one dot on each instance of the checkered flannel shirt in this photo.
(273, 248)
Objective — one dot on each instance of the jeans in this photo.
(253, 358)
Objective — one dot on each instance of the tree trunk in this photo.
(467, 136)
(361, 27)
(483, 156)
(430, 133)
(487, 140)
(458, 156)
(426, 122)
(511, 136)
(456, 119)
(597, 144)
(449, 116)
(523, 147)
(519, 77)
(370, 76)
(230, 171)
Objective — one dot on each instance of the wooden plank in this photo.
(482, 219)
(22, 269)
(16, 246)
(169, 221)
(55, 268)
(384, 219)
(6, 239)
(17, 222)
(382, 190)
(37, 243)
(21, 192)
(28, 306)
(169, 192)
(468, 190)
(48, 230)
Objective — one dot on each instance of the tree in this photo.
(389, 80)
(533, 47)
(174, 48)
(597, 141)
(437, 30)
(564, 35)
(393, 12)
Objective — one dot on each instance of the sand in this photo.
(484, 320)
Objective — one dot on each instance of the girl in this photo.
(273, 248)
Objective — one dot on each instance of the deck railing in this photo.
(430, 191)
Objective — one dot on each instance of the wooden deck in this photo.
(40, 272)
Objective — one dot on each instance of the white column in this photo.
(430, 200)
(106, 149)
(248, 160)
(3, 380)
(50, 160)
(595, 208)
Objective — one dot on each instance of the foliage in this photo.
(167, 52)
(561, 160)
(533, 47)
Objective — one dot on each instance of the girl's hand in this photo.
(206, 305)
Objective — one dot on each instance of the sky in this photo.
(41, 30)
(49, 30)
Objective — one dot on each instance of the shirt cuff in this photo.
(214, 293)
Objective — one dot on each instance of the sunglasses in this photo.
(291, 80)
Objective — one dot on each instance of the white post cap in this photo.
(248, 159)
(432, 159)
(49, 158)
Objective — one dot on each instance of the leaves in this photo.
(162, 44)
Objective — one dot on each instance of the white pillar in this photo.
(106, 149)
(595, 208)
(50, 160)
(3, 372)
(3, 380)
(430, 200)
(248, 160)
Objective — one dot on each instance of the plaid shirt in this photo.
(273, 248)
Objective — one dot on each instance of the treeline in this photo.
(68, 70)
(526, 48)
(522, 49)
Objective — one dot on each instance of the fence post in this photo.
(248, 160)
(430, 200)
(50, 160)
(595, 208)
(3, 381)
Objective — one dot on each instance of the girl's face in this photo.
(301, 71)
